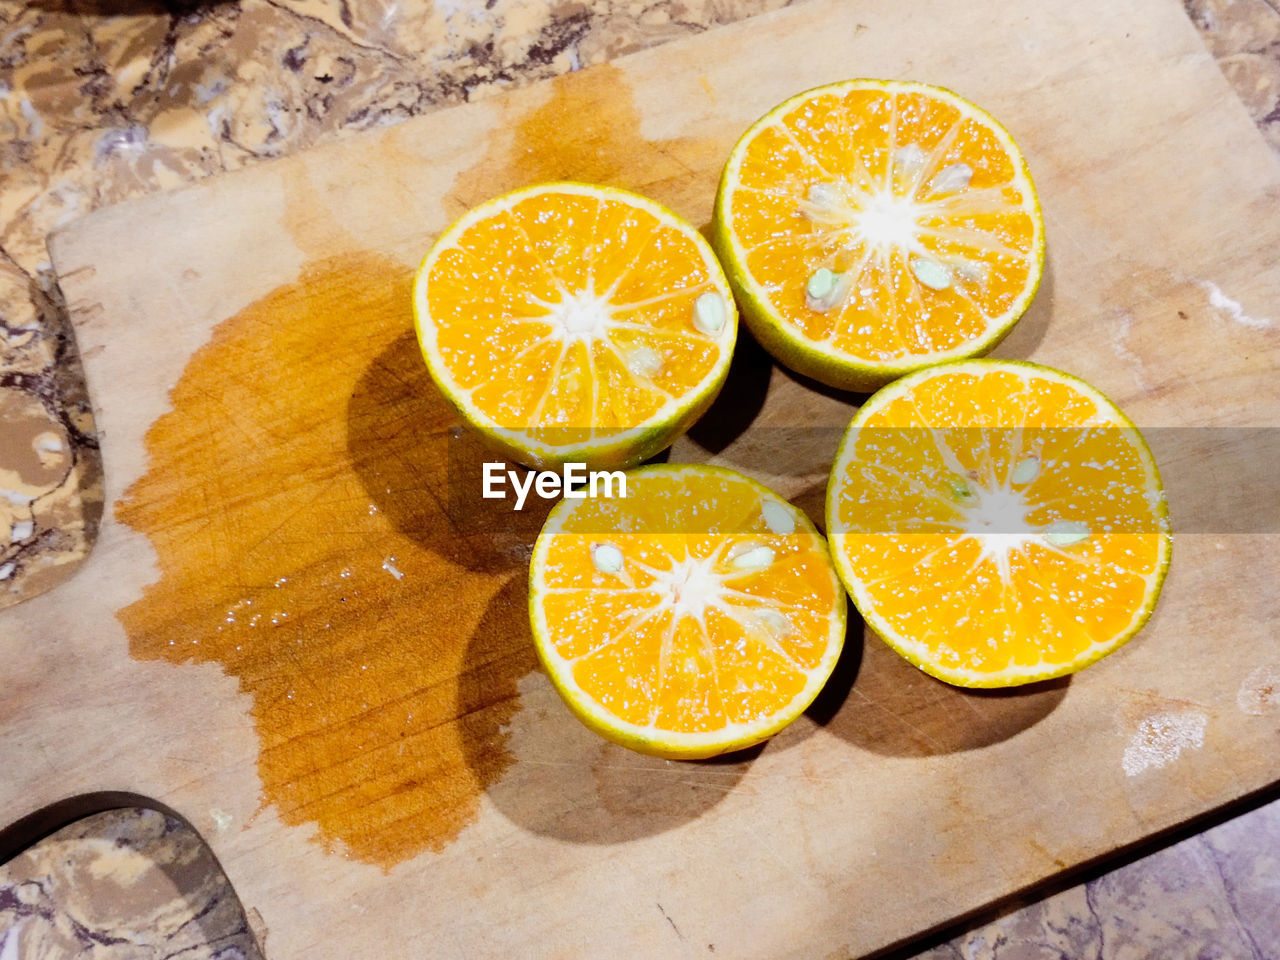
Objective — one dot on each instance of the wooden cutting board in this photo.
(302, 630)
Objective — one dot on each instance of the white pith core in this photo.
(581, 316)
(870, 224)
(884, 221)
(996, 518)
(589, 318)
(918, 202)
(693, 586)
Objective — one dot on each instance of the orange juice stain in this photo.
(589, 130)
(298, 498)
(315, 510)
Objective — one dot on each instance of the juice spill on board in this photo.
(305, 454)
(307, 457)
(590, 131)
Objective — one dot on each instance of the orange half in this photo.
(700, 614)
(998, 522)
(569, 322)
(873, 227)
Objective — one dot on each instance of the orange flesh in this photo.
(651, 664)
(932, 583)
(989, 227)
(493, 297)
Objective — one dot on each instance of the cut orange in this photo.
(998, 522)
(700, 614)
(569, 322)
(873, 227)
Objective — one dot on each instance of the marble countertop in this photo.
(103, 100)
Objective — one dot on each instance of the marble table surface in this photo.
(103, 100)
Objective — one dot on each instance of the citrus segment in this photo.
(997, 522)
(699, 614)
(873, 227)
(567, 322)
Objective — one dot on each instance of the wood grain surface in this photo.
(302, 630)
